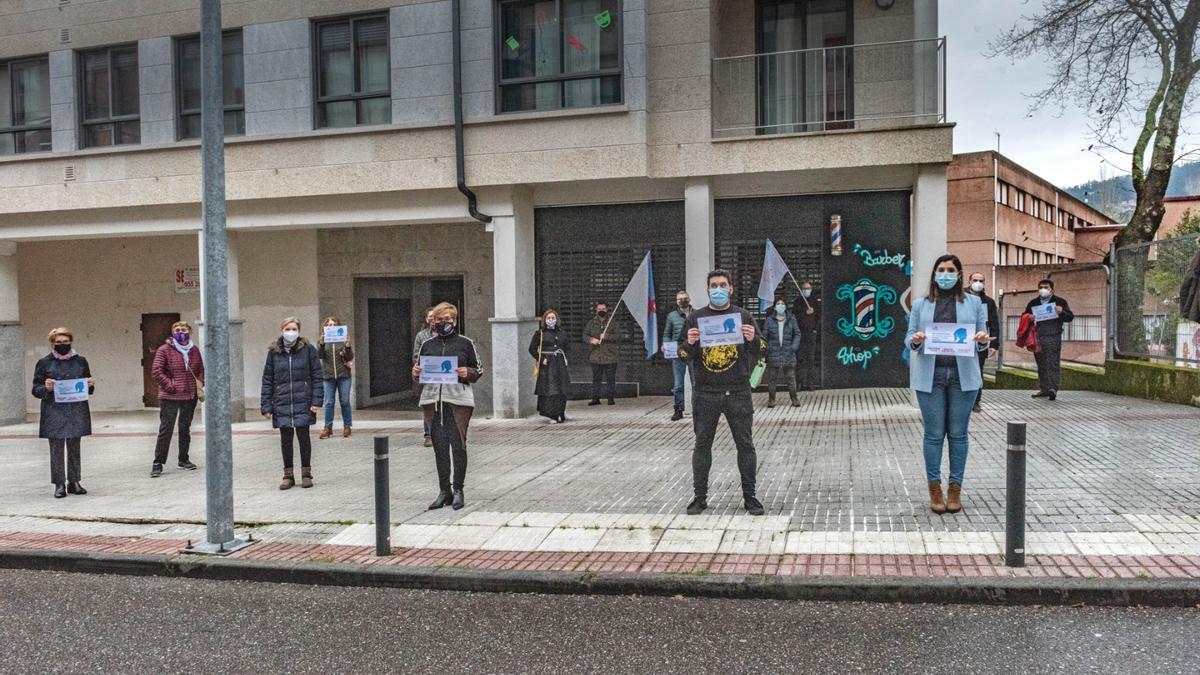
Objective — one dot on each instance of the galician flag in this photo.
(639, 299)
(774, 270)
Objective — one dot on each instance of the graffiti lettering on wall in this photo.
(865, 322)
(882, 259)
(854, 356)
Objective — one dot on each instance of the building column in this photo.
(13, 386)
(928, 224)
(237, 385)
(700, 244)
(515, 316)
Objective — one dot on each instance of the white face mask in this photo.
(290, 335)
(551, 323)
(977, 286)
(1044, 292)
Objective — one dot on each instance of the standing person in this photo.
(1049, 333)
(673, 333)
(292, 393)
(548, 347)
(421, 338)
(178, 370)
(993, 327)
(337, 360)
(448, 407)
(808, 317)
(63, 424)
(782, 334)
(601, 334)
(946, 386)
(722, 386)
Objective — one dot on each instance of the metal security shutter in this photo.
(587, 254)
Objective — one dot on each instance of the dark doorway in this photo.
(388, 325)
(156, 328)
(449, 290)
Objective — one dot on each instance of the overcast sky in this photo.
(990, 95)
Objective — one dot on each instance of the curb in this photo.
(942, 590)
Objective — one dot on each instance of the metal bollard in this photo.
(1014, 519)
(383, 512)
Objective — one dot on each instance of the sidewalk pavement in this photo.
(1113, 491)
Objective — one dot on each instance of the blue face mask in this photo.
(780, 309)
(806, 292)
(719, 297)
(946, 280)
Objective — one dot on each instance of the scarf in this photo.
(69, 355)
(183, 349)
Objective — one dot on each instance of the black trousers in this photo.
(983, 357)
(1049, 361)
(168, 411)
(707, 408)
(449, 425)
(604, 381)
(808, 360)
(58, 446)
(285, 442)
(552, 407)
(785, 375)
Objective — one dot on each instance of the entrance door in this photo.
(156, 328)
(388, 334)
(449, 290)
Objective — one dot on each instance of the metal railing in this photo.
(1147, 281)
(879, 85)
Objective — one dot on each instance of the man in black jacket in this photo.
(808, 358)
(721, 375)
(993, 326)
(1049, 334)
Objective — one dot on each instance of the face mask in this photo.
(946, 280)
(602, 312)
(1044, 292)
(780, 309)
(182, 338)
(63, 350)
(719, 297)
(551, 323)
(806, 292)
(977, 286)
(445, 328)
(684, 304)
(291, 336)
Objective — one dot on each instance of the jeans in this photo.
(707, 408)
(946, 411)
(1049, 361)
(983, 357)
(343, 392)
(285, 444)
(604, 381)
(808, 360)
(680, 369)
(168, 411)
(58, 475)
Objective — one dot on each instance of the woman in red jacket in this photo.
(179, 372)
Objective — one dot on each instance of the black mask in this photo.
(602, 312)
(63, 350)
(684, 304)
(445, 329)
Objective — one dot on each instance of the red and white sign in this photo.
(187, 280)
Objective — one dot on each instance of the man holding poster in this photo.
(1051, 313)
(720, 344)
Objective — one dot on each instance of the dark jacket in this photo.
(1052, 327)
(1189, 290)
(292, 384)
(673, 330)
(553, 378)
(62, 420)
(993, 319)
(809, 323)
(175, 382)
(725, 367)
(606, 352)
(781, 355)
(334, 360)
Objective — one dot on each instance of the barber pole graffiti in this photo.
(865, 322)
(835, 234)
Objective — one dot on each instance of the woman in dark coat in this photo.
(783, 339)
(549, 350)
(63, 423)
(292, 393)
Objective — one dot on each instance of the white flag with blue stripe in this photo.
(639, 299)
(774, 270)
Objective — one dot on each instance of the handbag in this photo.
(199, 387)
(537, 366)
(756, 375)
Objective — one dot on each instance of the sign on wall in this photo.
(187, 279)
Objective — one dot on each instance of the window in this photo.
(1020, 255)
(187, 86)
(1004, 193)
(1001, 254)
(110, 96)
(1083, 329)
(555, 54)
(1037, 208)
(1020, 201)
(353, 72)
(25, 106)
(999, 189)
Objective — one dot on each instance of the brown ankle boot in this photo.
(346, 432)
(954, 498)
(306, 477)
(936, 502)
(326, 433)
(289, 480)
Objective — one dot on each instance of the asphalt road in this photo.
(70, 623)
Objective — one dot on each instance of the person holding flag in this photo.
(602, 334)
(601, 331)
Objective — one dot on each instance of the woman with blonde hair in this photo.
(178, 371)
(63, 423)
(292, 393)
(336, 361)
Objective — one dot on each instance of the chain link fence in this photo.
(1147, 280)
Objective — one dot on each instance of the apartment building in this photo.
(594, 130)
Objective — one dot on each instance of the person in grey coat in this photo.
(424, 335)
(63, 424)
(782, 334)
(292, 393)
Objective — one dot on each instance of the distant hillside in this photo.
(1114, 196)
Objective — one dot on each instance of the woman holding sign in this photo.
(337, 358)
(448, 366)
(63, 381)
(946, 329)
(552, 381)
(292, 393)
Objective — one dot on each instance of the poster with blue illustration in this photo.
(439, 370)
(950, 339)
(336, 334)
(70, 391)
(720, 330)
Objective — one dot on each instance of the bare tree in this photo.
(1131, 64)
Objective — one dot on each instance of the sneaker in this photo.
(1052, 395)
(753, 506)
(977, 408)
(1041, 394)
(795, 403)
(697, 505)
(187, 466)
(429, 441)
(594, 401)
(156, 470)
(678, 415)
(770, 403)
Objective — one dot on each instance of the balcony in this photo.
(883, 85)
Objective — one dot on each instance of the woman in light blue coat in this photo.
(946, 385)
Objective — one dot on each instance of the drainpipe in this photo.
(460, 164)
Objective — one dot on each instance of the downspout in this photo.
(460, 163)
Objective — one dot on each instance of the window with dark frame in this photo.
(187, 85)
(109, 104)
(25, 106)
(352, 71)
(557, 54)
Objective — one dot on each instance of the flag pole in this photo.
(611, 316)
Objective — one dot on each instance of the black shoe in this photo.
(562, 419)
(443, 499)
(795, 403)
(187, 466)
(60, 491)
(611, 402)
(977, 408)
(753, 506)
(156, 470)
(1041, 394)
(459, 502)
(677, 415)
(594, 401)
(770, 403)
(76, 489)
(697, 505)
(1052, 395)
